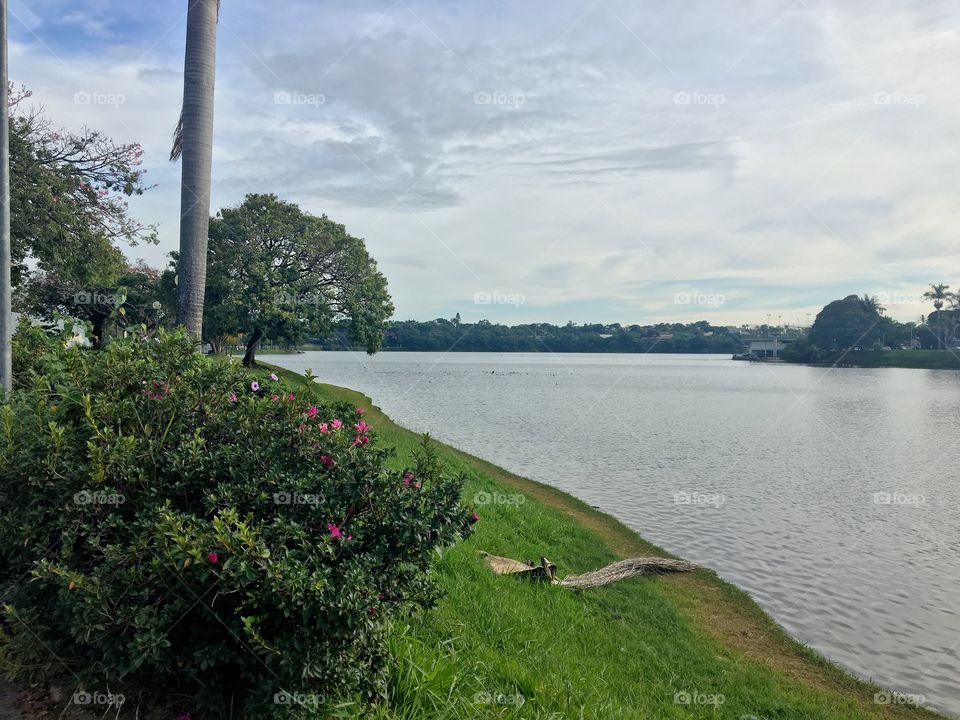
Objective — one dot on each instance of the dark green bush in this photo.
(171, 526)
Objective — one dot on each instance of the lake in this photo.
(830, 495)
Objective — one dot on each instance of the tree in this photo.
(193, 144)
(279, 272)
(872, 304)
(847, 324)
(68, 206)
(939, 294)
(123, 299)
(69, 215)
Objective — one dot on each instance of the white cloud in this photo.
(572, 153)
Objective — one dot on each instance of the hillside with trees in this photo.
(443, 335)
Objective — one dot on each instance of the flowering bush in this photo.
(172, 526)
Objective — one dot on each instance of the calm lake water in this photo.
(832, 496)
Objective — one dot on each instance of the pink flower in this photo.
(273, 376)
(324, 428)
(373, 611)
(474, 518)
(255, 386)
(335, 423)
(275, 398)
(334, 531)
(212, 557)
(327, 461)
(290, 397)
(233, 397)
(407, 478)
(360, 411)
(361, 440)
(361, 427)
(312, 412)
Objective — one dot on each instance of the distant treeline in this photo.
(444, 335)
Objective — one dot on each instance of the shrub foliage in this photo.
(171, 525)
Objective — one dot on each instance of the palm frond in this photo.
(177, 149)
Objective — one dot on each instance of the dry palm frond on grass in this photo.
(620, 570)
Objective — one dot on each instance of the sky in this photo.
(593, 161)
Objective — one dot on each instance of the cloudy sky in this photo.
(607, 161)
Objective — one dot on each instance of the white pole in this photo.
(6, 316)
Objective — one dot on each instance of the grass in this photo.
(498, 647)
(924, 359)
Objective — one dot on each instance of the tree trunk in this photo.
(621, 570)
(253, 344)
(196, 159)
(99, 323)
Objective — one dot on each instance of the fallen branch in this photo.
(620, 570)
(626, 569)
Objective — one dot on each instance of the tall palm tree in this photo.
(939, 294)
(193, 144)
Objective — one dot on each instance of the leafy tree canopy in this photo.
(852, 322)
(276, 271)
(68, 208)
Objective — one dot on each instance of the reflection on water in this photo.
(830, 495)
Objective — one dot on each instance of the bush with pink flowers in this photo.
(171, 526)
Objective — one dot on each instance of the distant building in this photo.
(766, 347)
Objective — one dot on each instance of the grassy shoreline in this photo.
(498, 647)
(912, 359)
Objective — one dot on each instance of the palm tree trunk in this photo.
(197, 154)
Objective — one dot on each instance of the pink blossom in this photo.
(407, 478)
(334, 531)
(312, 412)
(255, 386)
(233, 397)
(274, 398)
(373, 611)
(273, 376)
(324, 428)
(474, 518)
(327, 461)
(361, 427)
(290, 397)
(361, 440)
(212, 557)
(335, 423)
(360, 411)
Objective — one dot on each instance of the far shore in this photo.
(912, 359)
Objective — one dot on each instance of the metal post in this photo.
(6, 316)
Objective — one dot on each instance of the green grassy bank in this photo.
(498, 647)
(922, 359)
